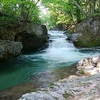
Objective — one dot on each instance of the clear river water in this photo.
(45, 65)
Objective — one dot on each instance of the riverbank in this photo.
(82, 86)
(40, 80)
(72, 88)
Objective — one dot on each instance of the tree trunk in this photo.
(99, 6)
(93, 6)
(80, 8)
(22, 13)
(90, 8)
(78, 12)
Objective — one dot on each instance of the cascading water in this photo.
(60, 54)
(61, 50)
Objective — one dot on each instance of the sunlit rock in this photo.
(89, 66)
(73, 77)
(80, 88)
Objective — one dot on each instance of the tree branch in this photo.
(80, 8)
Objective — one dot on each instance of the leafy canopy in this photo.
(12, 11)
(70, 12)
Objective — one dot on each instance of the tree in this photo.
(19, 10)
(70, 12)
(99, 6)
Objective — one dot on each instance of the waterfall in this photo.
(61, 50)
(53, 61)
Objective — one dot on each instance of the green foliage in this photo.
(13, 11)
(70, 11)
(60, 11)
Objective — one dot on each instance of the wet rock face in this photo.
(90, 30)
(32, 36)
(9, 49)
(89, 66)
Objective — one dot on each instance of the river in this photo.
(44, 66)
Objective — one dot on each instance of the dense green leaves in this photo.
(12, 11)
(70, 12)
(60, 12)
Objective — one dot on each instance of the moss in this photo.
(66, 95)
(81, 72)
(87, 40)
(90, 32)
(52, 85)
(35, 90)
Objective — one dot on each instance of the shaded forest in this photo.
(59, 12)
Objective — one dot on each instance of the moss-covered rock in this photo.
(90, 33)
(87, 40)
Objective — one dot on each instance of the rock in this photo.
(80, 88)
(73, 77)
(89, 66)
(32, 36)
(73, 37)
(9, 49)
(90, 30)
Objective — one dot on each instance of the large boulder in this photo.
(90, 30)
(31, 35)
(89, 66)
(9, 49)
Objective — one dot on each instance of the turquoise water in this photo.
(60, 54)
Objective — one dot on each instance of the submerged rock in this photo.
(89, 66)
(9, 49)
(74, 88)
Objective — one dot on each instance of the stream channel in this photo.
(39, 69)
